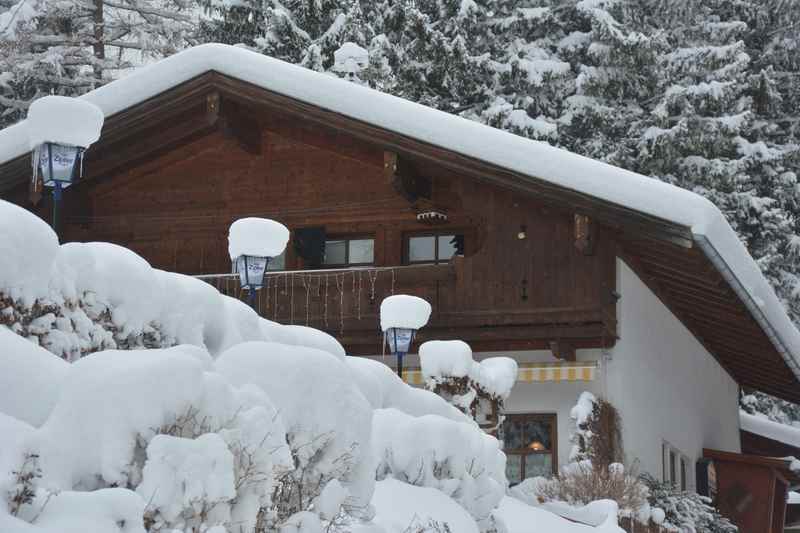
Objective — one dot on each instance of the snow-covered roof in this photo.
(761, 425)
(532, 158)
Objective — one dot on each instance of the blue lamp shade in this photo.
(58, 163)
(400, 339)
(251, 270)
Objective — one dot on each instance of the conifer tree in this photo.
(69, 47)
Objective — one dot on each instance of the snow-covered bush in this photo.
(597, 436)
(383, 388)
(582, 483)
(478, 389)
(328, 439)
(455, 457)
(684, 511)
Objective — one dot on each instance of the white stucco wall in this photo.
(548, 398)
(666, 386)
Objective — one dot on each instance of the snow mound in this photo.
(404, 311)
(430, 451)
(28, 249)
(519, 517)
(496, 375)
(114, 397)
(63, 120)
(445, 358)
(257, 236)
(124, 279)
(399, 506)
(303, 382)
(296, 335)
(185, 473)
(384, 389)
(113, 510)
(30, 378)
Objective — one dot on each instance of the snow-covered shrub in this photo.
(582, 483)
(478, 389)
(200, 451)
(383, 388)
(328, 439)
(684, 511)
(30, 378)
(597, 436)
(455, 457)
(404, 508)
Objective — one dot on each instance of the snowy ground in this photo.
(182, 410)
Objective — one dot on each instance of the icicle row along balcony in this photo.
(341, 301)
(346, 303)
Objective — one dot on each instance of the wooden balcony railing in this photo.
(336, 300)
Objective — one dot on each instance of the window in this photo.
(278, 262)
(530, 444)
(433, 247)
(675, 468)
(346, 252)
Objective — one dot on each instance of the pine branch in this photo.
(144, 10)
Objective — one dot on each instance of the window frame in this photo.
(552, 418)
(347, 238)
(675, 468)
(430, 233)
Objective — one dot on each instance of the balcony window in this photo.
(349, 252)
(433, 247)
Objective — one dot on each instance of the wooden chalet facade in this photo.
(511, 262)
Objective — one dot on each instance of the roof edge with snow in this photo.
(703, 220)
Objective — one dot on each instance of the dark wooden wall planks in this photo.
(174, 209)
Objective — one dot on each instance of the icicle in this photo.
(360, 285)
(290, 280)
(307, 287)
(340, 288)
(325, 313)
(392, 281)
(266, 288)
(372, 280)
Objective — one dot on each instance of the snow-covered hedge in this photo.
(454, 457)
(478, 389)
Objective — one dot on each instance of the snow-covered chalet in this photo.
(593, 278)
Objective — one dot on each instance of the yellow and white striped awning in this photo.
(534, 372)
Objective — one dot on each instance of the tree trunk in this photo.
(99, 40)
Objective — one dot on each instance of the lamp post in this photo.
(59, 166)
(252, 243)
(399, 341)
(401, 317)
(60, 129)
(251, 270)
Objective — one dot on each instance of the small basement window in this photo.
(433, 247)
(530, 444)
(349, 252)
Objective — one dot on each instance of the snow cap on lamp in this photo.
(404, 311)
(63, 120)
(259, 237)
